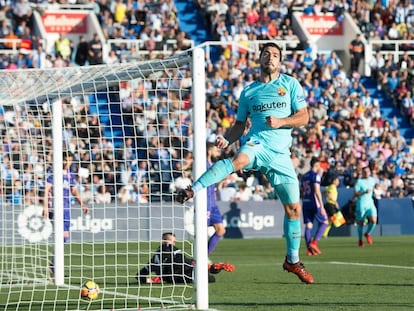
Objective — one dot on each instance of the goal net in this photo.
(130, 129)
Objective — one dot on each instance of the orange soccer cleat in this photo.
(299, 269)
(219, 266)
(369, 238)
(314, 248)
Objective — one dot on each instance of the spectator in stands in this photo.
(407, 104)
(252, 16)
(15, 197)
(376, 64)
(82, 51)
(307, 59)
(292, 40)
(183, 42)
(120, 10)
(409, 182)
(356, 52)
(87, 194)
(64, 47)
(396, 190)
(243, 193)
(22, 12)
(393, 33)
(102, 196)
(391, 84)
(125, 194)
(52, 5)
(112, 58)
(334, 61)
(12, 40)
(4, 30)
(95, 51)
(398, 141)
(226, 190)
(259, 193)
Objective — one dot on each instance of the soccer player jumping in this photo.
(275, 104)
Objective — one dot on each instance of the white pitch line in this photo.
(369, 265)
(332, 263)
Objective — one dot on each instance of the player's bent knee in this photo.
(292, 210)
(220, 230)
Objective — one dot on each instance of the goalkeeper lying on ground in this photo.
(170, 264)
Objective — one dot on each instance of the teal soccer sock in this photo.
(371, 227)
(360, 230)
(292, 232)
(216, 173)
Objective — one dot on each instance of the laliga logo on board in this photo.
(94, 225)
(33, 226)
(249, 220)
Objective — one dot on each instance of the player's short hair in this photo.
(272, 44)
(165, 235)
(313, 161)
(67, 154)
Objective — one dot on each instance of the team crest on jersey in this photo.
(281, 91)
(252, 142)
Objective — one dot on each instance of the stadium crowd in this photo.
(346, 132)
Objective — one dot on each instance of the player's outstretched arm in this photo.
(234, 133)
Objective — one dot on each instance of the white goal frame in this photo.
(67, 85)
(200, 201)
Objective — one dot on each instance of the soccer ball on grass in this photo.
(89, 290)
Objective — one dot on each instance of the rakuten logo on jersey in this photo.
(94, 225)
(269, 106)
(249, 220)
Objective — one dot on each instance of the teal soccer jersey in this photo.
(365, 203)
(267, 148)
(280, 98)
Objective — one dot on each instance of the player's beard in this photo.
(268, 69)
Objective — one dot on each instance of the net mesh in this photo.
(129, 129)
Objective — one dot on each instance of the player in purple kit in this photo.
(69, 190)
(313, 207)
(214, 217)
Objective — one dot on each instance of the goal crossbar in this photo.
(20, 85)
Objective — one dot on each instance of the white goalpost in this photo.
(133, 130)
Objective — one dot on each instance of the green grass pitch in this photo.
(377, 277)
(347, 277)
